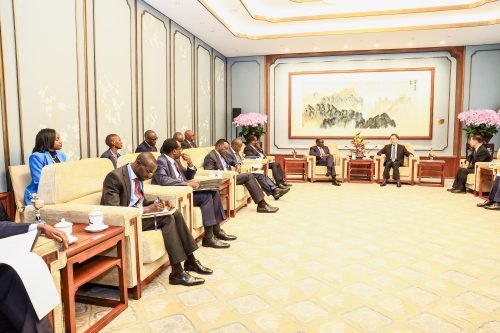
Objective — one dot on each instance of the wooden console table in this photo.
(484, 172)
(428, 168)
(296, 167)
(363, 171)
(84, 263)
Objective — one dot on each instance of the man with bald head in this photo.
(178, 137)
(189, 139)
(149, 143)
(124, 187)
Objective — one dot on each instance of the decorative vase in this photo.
(360, 156)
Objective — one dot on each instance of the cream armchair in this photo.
(407, 172)
(473, 178)
(20, 177)
(318, 172)
(73, 189)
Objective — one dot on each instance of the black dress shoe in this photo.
(197, 267)
(214, 243)
(450, 189)
(267, 209)
(383, 183)
(495, 206)
(399, 184)
(279, 192)
(328, 174)
(458, 191)
(223, 236)
(485, 204)
(185, 279)
(283, 186)
(286, 184)
(335, 183)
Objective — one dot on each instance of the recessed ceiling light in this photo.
(377, 45)
(410, 43)
(315, 48)
(346, 46)
(287, 49)
(331, 2)
(442, 42)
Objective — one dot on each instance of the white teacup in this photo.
(66, 227)
(96, 219)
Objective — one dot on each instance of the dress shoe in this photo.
(399, 184)
(286, 184)
(197, 267)
(495, 206)
(283, 186)
(214, 243)
(328, 174)
(485, 204)
(185, 279)
(267, 209)
(383, 183)
(450, 189)
(335, 182)
(279, 192)
(458, 191)
(221, 234)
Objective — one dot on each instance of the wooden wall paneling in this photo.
(203, 93)
(221, 110)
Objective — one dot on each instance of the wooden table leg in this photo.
(68, 298)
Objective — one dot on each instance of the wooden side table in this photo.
(484, 172)
(84, 263)
(295, 167)
(225, 194)
(363, 171)
(428, 169)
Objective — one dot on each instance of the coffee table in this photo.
(428, 169)
(484, 173)
(295, 167)
(85, 262)
(360, 171)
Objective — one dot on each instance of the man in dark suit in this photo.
(124, 187)
(216, 160)
(178, 136)
(189, 140)
(394, 158)
(171, 173)
(479, 154)
(114, 142)
(324, 158)
(268, 186)
(149, 143)
(493, 201)
(252, 151)
(17, 313)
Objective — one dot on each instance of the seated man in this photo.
(394, 158)
(479, 154)
(252, 150)
(114, 142)
(149, 143)
(267, 185)
(178, 136)
(189, 139)
(324, 158)
(216, 160)
(123, 187)
(493, 201)
(17, 313)
(171, 173)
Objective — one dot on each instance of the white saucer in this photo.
(72, 239)
(90, 228)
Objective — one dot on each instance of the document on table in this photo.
(15, 251)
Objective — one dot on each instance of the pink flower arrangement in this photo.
(250, 119)
(480, 117)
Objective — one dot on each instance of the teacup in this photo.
(66, 227)
(96, 218)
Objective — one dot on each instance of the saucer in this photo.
(90, 228)
(72, 239)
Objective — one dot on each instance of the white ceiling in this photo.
(332, 33)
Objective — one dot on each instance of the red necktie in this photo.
(138, 191)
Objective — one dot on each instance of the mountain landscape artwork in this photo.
(337, 104)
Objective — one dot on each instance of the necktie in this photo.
(224, 163)
(393, 153)
(321, 151)
(181, 176)
(137, 191)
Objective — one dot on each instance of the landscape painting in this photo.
(375, 102)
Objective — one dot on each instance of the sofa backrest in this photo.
(129, 158)
(197, 156)
(20, 177)
(68, 181)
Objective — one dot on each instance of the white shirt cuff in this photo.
(32, 227)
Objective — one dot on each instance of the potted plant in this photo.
(482, 122)
(251, 124)
(359, 146)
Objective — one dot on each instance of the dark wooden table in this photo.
(429, 169)
(360, 171)
(295, 167)
(85, 263)
(225, 194)
(484, 172)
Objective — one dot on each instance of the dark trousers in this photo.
(329, 163)
(16, 311)
(495, 190)
(461, 178)
(210, 204)
(277, 172)
(178, 239)
(265, 183)
(395, 169)
(252, 186)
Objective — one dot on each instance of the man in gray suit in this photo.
(114, 142)
(171, 173)
(189, 140)
(217, 160)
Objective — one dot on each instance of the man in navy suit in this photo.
(114, 142)
(171, 173)
(16, 311)
(324, 158)
(149, 143)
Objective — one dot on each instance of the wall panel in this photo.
(221, 119)
(203, 95)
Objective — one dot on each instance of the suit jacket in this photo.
(36, 162)
(116, 189)
(314, 151)
(188, 144)
(231, 156)
(109, 155)
(144, 147)
(165, 173)
(212, 161)
(251, 151)
(8, 229)
(481, 155)
(400, 153)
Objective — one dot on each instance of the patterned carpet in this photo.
(358, 258)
